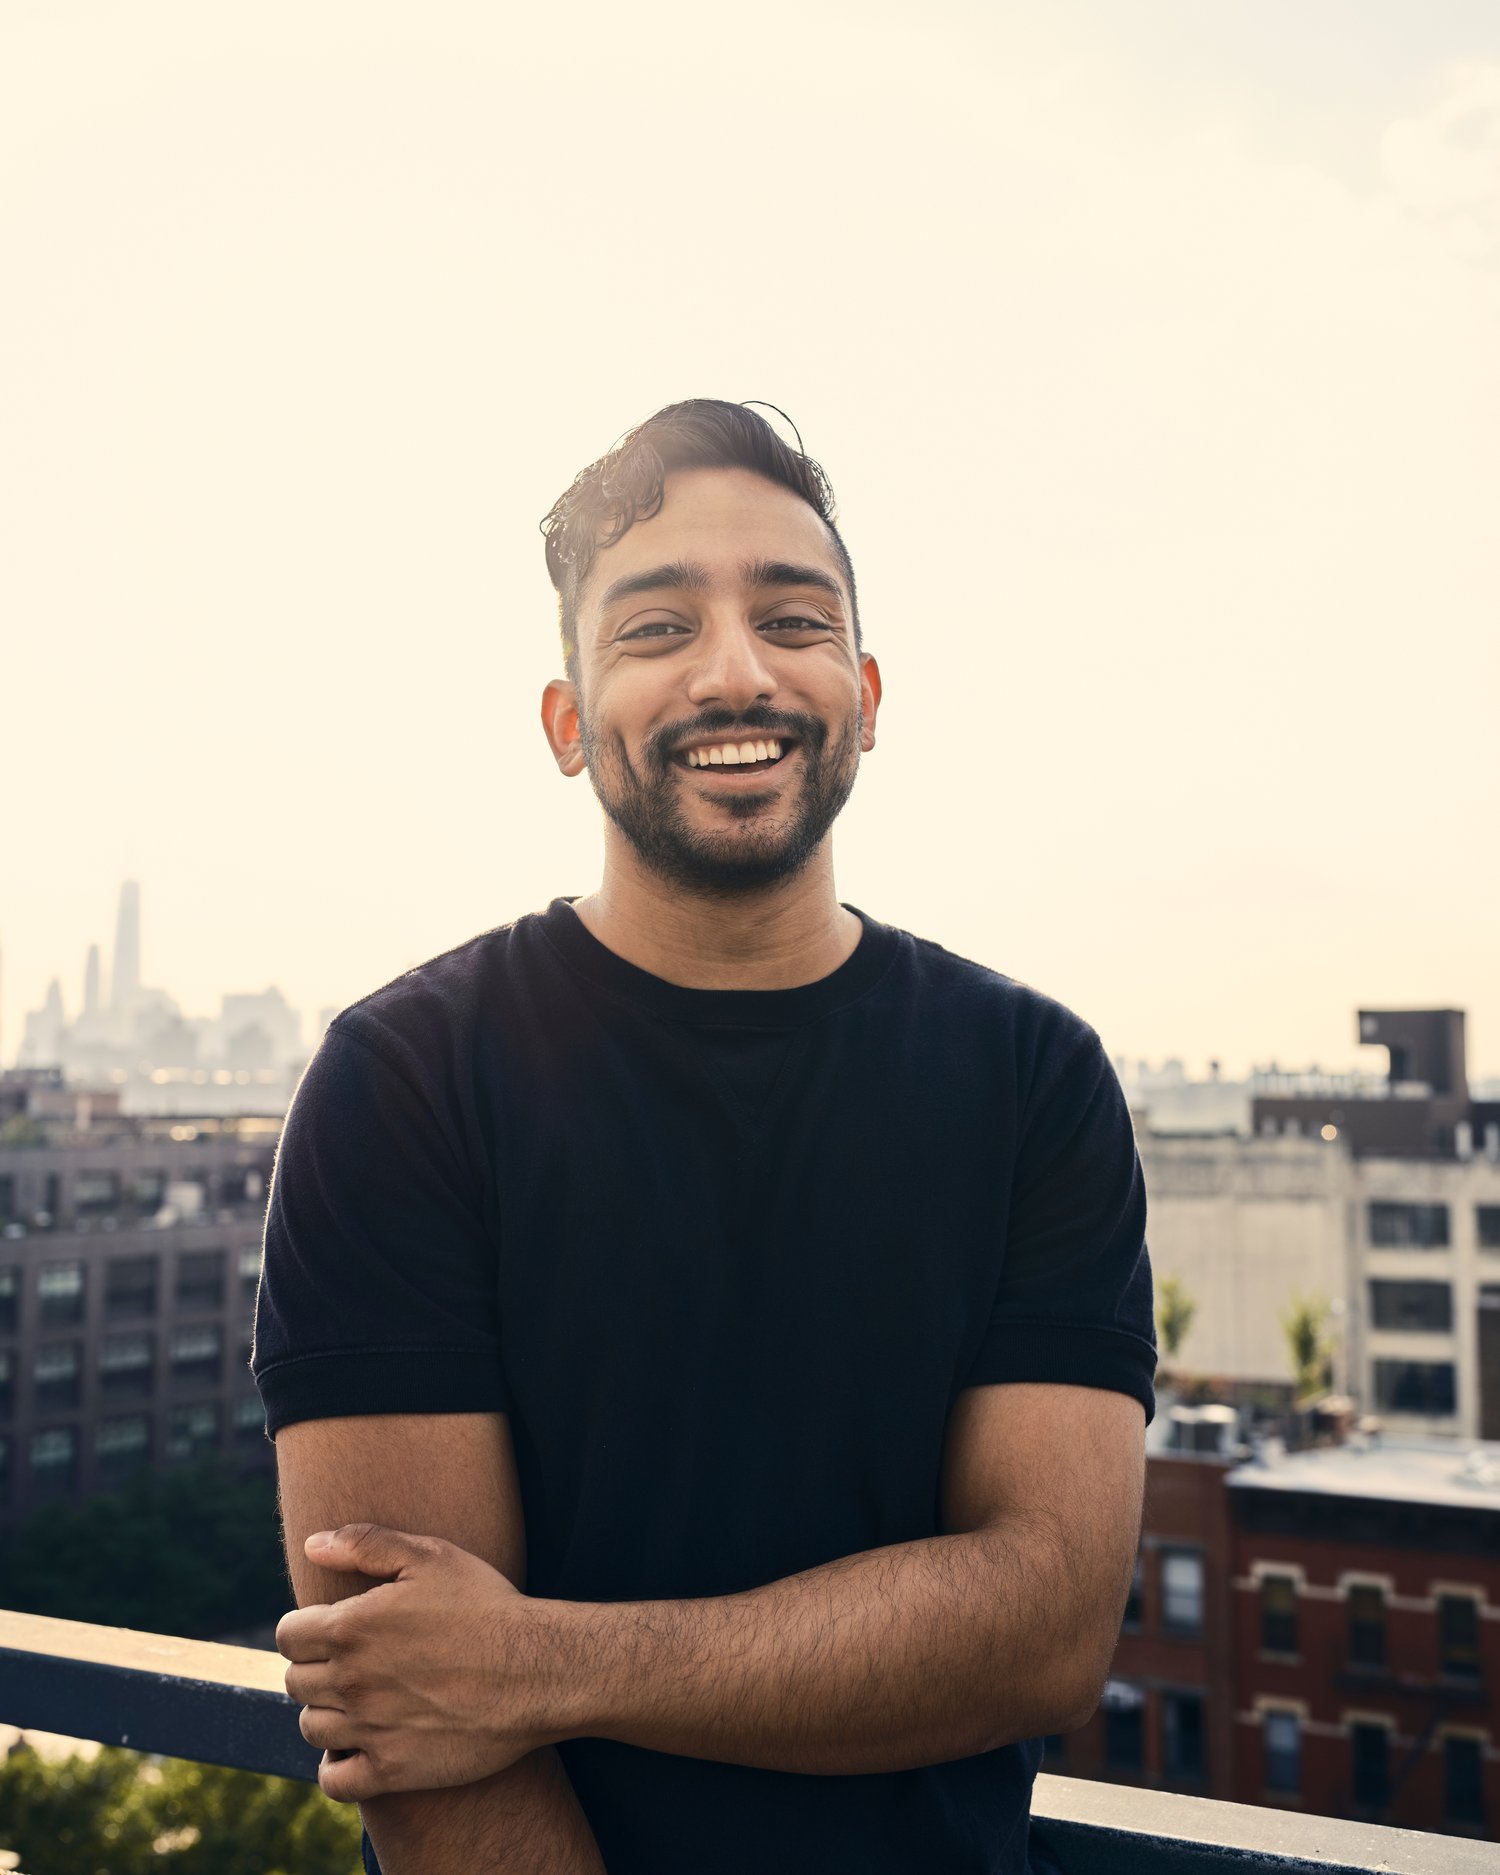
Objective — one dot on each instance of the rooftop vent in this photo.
(1213, 1429)
(1478, 1472)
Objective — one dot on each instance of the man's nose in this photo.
(731, 666)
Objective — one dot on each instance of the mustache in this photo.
(752, 722)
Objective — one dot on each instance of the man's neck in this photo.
(790, 934)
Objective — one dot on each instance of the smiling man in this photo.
(706, 1331)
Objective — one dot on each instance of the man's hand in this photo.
(430, 1679)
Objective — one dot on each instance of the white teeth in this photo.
(731, 754)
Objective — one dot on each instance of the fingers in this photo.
(348, 1779)
(301, 1633)
(312, 1685)
(345, 1773)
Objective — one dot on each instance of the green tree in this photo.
(1175, 1310)
(21, 1130)
(121, 1814)
(1310, 1344)
(193, 1550)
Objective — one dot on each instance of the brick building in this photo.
(1316, 1630)
(1365, 1589)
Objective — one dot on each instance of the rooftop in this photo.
(1456, 1474)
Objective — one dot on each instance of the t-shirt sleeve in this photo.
(378, 1290)
(1074, 1304)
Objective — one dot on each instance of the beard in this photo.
(753, 850)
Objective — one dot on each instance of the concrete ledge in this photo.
(152, 1692)
(228, 1705)
(1104, 1829)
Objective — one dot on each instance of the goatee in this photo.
(741, 860)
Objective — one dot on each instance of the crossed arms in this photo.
(1000, 1628)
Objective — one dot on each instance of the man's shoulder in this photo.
(446, 1000)
(971, 991)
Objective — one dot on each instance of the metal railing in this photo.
(224, 1705)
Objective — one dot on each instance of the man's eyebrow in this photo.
(671, 576)
(789, 573)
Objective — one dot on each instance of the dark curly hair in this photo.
(606, 499)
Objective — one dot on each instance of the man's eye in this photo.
(797, 624)
(652, 630)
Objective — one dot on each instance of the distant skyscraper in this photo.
(91, 985)
(125, 977)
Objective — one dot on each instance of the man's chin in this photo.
(725, 866)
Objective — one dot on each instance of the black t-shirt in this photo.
(725, 1258)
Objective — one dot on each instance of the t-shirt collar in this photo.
(860, 971)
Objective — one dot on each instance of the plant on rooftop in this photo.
(119, 1813)
(1175, 1310)
(1310, 1344)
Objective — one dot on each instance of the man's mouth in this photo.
(753, 755)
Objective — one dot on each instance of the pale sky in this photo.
(1153, 351)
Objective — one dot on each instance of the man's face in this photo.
(723, 621)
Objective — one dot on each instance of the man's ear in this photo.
(869, 684)
(560, 722)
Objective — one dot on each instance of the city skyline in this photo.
(116, 1005)
(137, 1038)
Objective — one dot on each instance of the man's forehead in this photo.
(717, 527)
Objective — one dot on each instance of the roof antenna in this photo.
(746, 404)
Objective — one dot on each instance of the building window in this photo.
(200, 1279)
(1487, 1222)
(7, 1383)
(1463, 1781)
(54, 1459)
(1366, 1624)
(242, 1185)
(59, 1288)
(1278, 1614)
(1423, 1307)
(1409, 1226)
(249, 1269)
(130, 1288)
(122, 1444)
(1370, 1763)
(148, 1192)
(249, 1421)
(56, 1373)
(95, 1193)
(1132, 1618)
(1458, 1636)
(1283, 1751)
(196, 1355)
(1423, 1388)
(1182, 1735)
(126, 1364)
(10, 1301)
(193, 1429)
(1124, 1709)
(1182, 1591)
